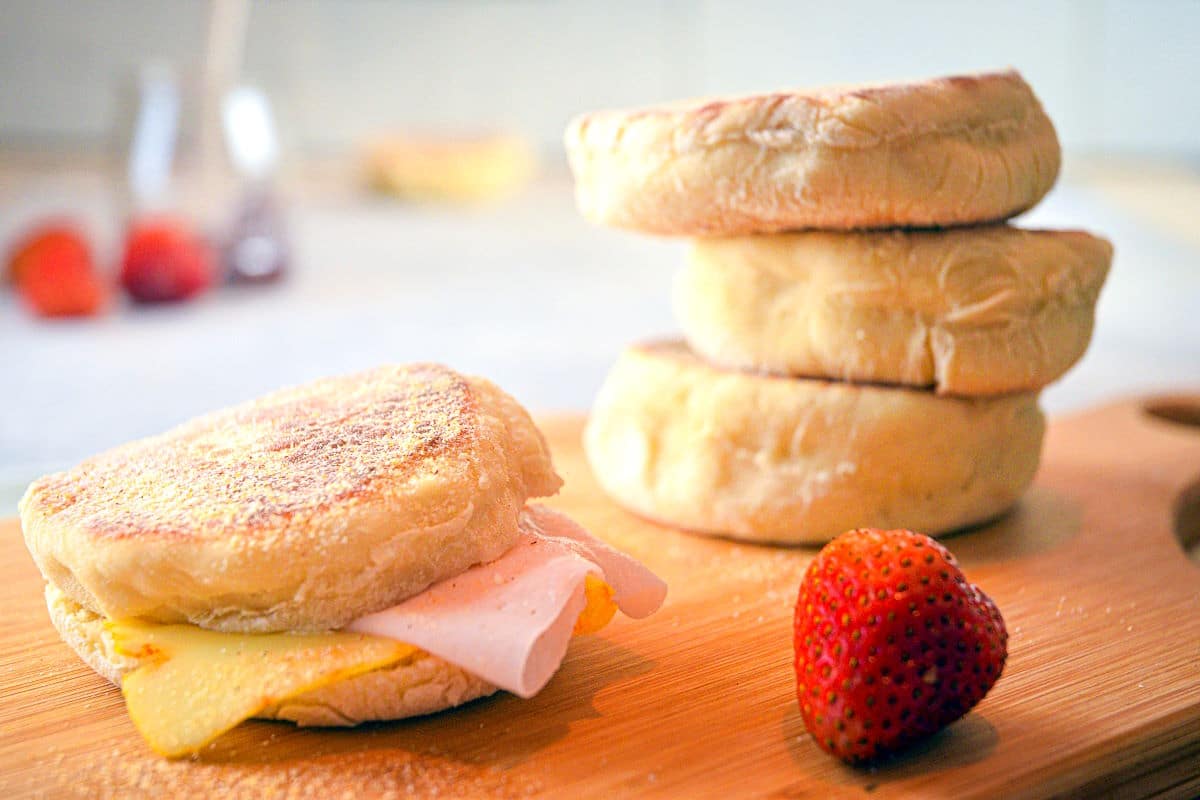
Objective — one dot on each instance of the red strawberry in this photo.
(892, 643)
(164, 261)
(57, 240)
(55, 275)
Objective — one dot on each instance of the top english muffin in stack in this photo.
(951, 151)
(853, 235)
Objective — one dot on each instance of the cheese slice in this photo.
(192, 685)
(598, 609)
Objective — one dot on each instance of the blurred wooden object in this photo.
(1164, 196)
(448, 168)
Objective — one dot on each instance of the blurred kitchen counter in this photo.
(523, 291)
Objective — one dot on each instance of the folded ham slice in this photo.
(509, 621)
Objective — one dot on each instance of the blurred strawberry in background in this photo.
(53, 270)
(60, 237)
(164, 261)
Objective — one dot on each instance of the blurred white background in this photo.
(524, 291)
(1119, 75)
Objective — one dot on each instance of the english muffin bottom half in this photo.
(419, 683)
(797, 460)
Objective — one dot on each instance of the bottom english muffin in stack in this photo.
(800, 460)
(841, 368)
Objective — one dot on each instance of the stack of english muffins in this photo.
(866, 336)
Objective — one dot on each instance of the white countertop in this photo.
(525, 293)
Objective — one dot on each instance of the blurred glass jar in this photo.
(255, 244)
(208, 157)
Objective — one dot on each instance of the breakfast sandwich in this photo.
(358, 548)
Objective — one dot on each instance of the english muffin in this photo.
(949, 151)
(799, 460)
(966, 311)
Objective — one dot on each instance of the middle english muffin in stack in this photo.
(866, 336)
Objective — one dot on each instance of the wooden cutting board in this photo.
(1101, 693)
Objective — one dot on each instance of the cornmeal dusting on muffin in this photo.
(292, 452)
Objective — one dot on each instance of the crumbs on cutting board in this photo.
(386, 773)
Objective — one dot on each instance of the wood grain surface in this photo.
(1101, 695)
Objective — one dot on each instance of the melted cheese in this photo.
(192, 685)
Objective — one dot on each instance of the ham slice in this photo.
(509, 621)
